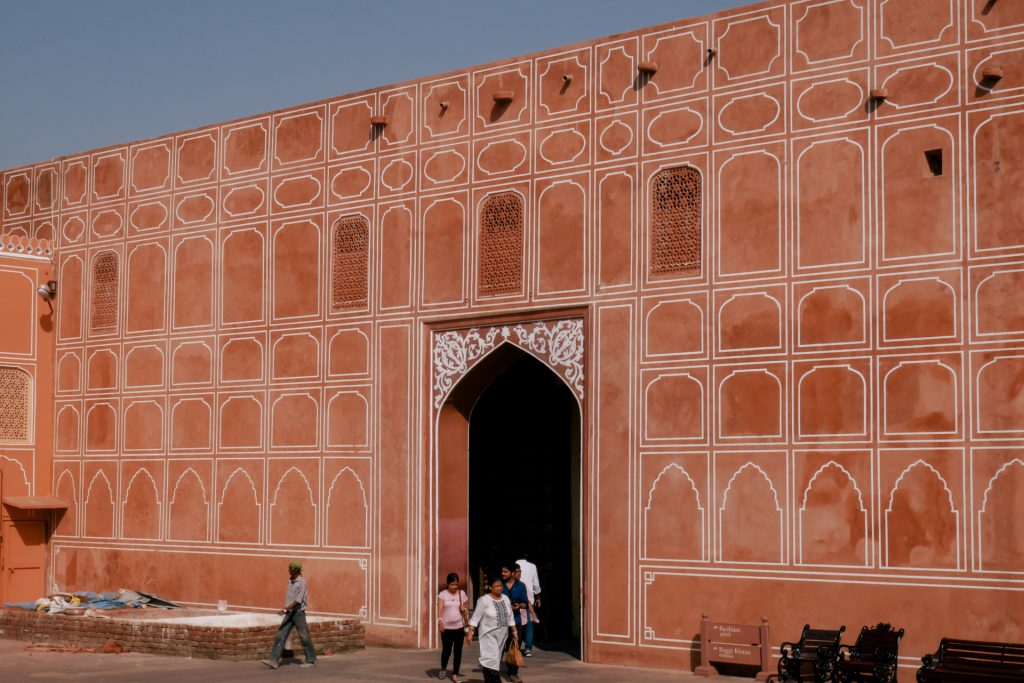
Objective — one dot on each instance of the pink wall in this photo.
(824, 402)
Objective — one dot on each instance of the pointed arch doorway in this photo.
(507, 405)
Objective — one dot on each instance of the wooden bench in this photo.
(816, 650)
(973, 660)
(872, 658)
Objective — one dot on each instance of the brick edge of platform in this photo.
(183, 640)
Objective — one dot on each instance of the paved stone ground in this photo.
(19, 662)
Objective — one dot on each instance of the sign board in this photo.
(724, 643)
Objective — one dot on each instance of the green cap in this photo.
(294, 564)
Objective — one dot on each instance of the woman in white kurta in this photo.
(494, 621)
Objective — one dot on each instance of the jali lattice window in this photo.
(501, 244)
(15, 405)
(103, 315)
(676, 221)
(350, 262)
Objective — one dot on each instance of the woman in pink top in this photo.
(452, 618)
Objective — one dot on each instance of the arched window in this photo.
(501, 244)
(15, 405)
(350, 260)
(675, 221)
(103, 315)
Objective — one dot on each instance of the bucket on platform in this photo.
(222, 605)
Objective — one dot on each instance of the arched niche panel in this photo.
(188, 518)
(192, 423)
(561, 236)
(239, 509)
(241, 359)
(101, 428)
(616, 209)
(674, 328)
(192, 362)
(98, 507)
(831, 206)
(296, 355)
(144, 366)
(143, 425)
(750, 519)
(347, 518)
(918, 162)
(922, 521)
(832, 400)
(348, 352)
(69, 372)
(67, 491)
(397, 236)
(831, 315)
(294, 420)
(241, 422)
(750, 321)
(242, 276)
(348, 420)
(67, 438)
(999, 308)
(147, 282)
(444, 235)
(193, 282)
(101, 369)
(1001, 520)
(69, 304)
(674, 517)
(140, 507)
(750, 214)
(750, 404)
(296, 269)
(998, 182)
(833, 520)
(674, 407)
(919, 309)
(920, 397)
(999, 397)
(293, 510)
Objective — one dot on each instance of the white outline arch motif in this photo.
(831, 464)
(174, 497)
(778, 508)
(952, 507)
(703, 521)
(366, 509)
(312, 502)
(1015, 462)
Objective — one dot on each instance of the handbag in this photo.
(514, 656)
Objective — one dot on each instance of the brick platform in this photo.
(186, 640)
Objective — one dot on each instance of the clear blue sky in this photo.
(81, 74)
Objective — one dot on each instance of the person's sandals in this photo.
(307, 665)
(270, 663)
(441, 674)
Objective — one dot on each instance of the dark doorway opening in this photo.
(524, 490)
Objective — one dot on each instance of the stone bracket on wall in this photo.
(556, 343)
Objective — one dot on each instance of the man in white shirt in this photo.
(532, 581)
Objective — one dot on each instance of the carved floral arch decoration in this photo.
(556, 343)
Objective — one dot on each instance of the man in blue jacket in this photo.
(516, 592)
